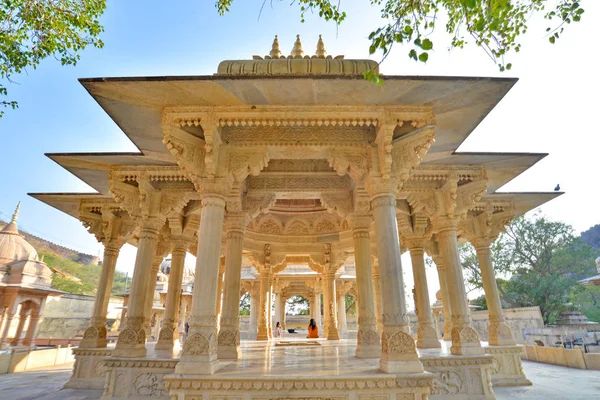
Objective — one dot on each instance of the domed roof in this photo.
(188, 272)
(13, 247)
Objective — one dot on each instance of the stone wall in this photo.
(67, 316)
(519, 319)
(573, 358)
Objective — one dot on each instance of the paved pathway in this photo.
(43, 384)
(550, 382)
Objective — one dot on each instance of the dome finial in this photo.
(321, 52)
(16, 213)
(297, 51)
(275, 51)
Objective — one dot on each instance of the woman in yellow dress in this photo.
(313, 330)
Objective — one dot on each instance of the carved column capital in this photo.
(236, 222)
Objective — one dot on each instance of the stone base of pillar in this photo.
(166, 339)
(137, 380)
(197, 367)
(368, 344)
(131, 344)
(262, 334)
(500, 335)
(507, 369)
(94, 337)
(427, 338)
(401, 367)
(398, 352)
(460, 377)
(465, 341)
(333, 334)
(229, 344)
(199, 354)
(88, 370)
(233, 352)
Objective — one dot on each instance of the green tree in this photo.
(493, 25)
(298, 305)
(545, 260)
(587, 300)
(245, 304)
(32, 30)
(350, 304)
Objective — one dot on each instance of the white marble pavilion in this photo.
(290, 161)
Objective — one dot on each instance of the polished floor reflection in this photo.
(301, 357)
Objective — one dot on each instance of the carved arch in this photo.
(297, 226)
(270, 225)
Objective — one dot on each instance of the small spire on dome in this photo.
(321, 52)
(16, 213)
(275, 50)
(297, 51)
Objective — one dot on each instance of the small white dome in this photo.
(13, 247)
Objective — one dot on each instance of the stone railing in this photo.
(13, 361)
(572, 358)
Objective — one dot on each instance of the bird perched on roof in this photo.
(557, 188)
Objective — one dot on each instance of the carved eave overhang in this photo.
(137, 104)
(93, 168)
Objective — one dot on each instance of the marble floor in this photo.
(328, 358)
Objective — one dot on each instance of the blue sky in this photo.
(553, 108)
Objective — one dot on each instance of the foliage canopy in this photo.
(493, 25)
(32, 30)
(543, 261)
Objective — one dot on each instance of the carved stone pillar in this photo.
(398, 352)
(199, 354)
(465, 340)
(123, 313)
(254, 307)
(329, 295)
(446, 307)
(283, 300)
(132, 340)
(149, 302)
(265, 304)
(277, 309)
(500, 333)
(368, 339)
(270, 307)
(317, 317)
(219, 299)
(426, 333)
(377, 295)
(169, 332)
(229, 334)
(341, 313)
(7, 321)
(22, 318)
(95, 335)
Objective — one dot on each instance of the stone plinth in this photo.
(507, 369)
(372, 386)
(137, 379)
(88, 370)
(459, 377)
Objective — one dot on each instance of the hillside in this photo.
(74, 272)
(591, 237)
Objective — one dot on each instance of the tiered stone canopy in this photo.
(299, 161)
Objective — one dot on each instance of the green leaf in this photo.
(413, 54)
(423, 57)
(426, 44)
(552, 39)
